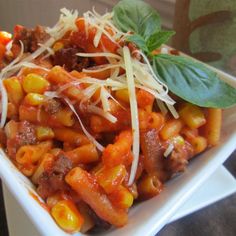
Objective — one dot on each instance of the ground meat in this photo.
(38, 35)
(62, 165)
(52, 106)
(178, 159)
(26, 133)
(153, 154)
(54, 180)
(29, 37)
(67, 58)
(44, 188)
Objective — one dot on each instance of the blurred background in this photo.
(205, 29)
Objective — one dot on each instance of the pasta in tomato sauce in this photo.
(72, 127)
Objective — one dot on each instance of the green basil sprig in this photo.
(193, 81)
(143, 21)
(185, 77)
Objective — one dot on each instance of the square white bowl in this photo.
(148, 217)
(221, 181)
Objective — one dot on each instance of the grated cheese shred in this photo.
(134, 112)
(169, 150)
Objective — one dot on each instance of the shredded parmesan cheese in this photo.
(100, 112)
(3, 104)
(99, 54)
(90, 137)
(134, 112)
(169, 150)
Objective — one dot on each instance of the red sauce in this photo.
(37, 199)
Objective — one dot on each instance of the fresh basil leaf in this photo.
(136, 16)
(158, 38)
(139, 41)
(193, 82)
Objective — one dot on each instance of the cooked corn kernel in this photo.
(33, 83)
(57, 46)
(67, 216)
(192, 115)
(123, 95)
(44, 133)
(34, 99)
(14, 90)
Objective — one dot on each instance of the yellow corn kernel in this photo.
(148, 187)
(199, 144)
(192, 115)
(34, 99)
(33, 83)
(67, 216)
(122, 95)
(44, 133)
(110, 178)
(14, 90)
(65, 117)
(57, 46)
(122, 198)
(171, 129)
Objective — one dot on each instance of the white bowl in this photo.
(221, 181)
(146, 218)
